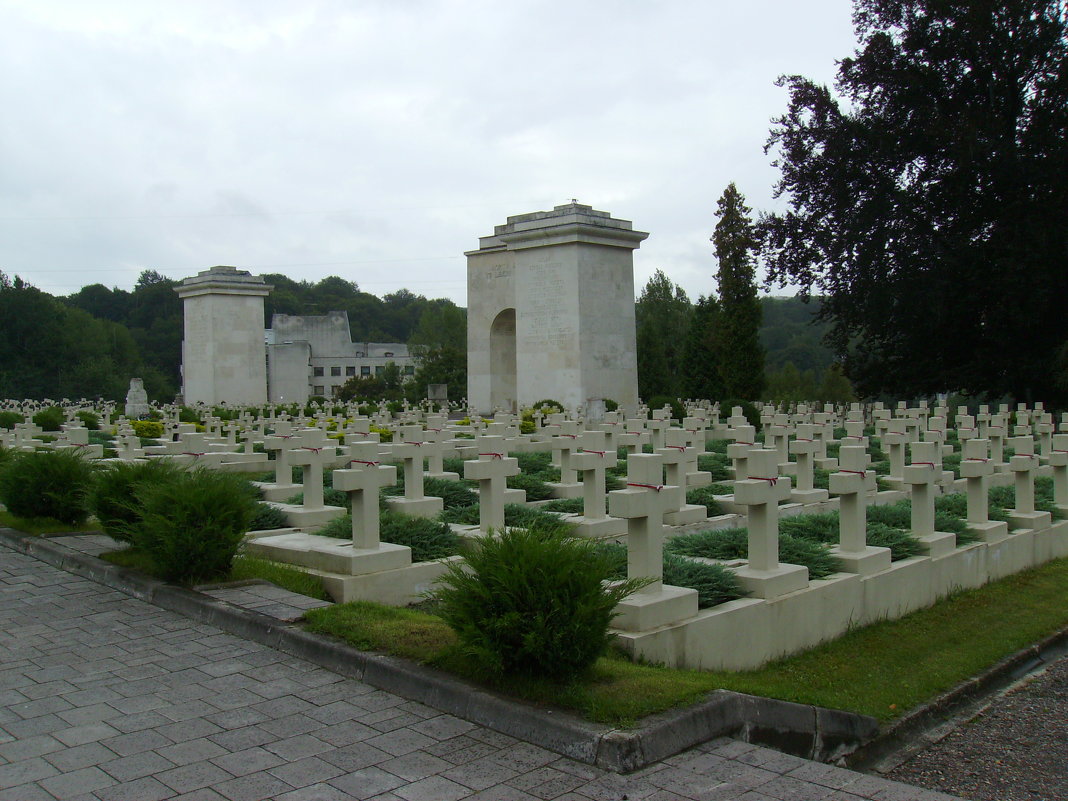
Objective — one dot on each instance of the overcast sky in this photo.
(378, 140)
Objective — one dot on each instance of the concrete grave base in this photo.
(597, 528)
(644, 611)
(864, 562)
(940, 543)
(768, 584)
(278, 493)
(685, 515)
(427, 506)
(309, 519)
(566, 490)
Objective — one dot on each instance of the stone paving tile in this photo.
(105, 698)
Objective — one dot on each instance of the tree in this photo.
(701, 378)
(663, 318)
(929, 204)
(737, 339)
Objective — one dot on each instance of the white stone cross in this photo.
(895, 439)
(757, 491)
(1058, 459)
(491, 471)
(362, 480)
(642, 505)
(1023, 465)
(591, 462)
(921, 475)
(312, 458)
(850, 485)
(744, 437)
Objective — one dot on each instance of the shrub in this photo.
(91, 420)
(548, 406)
(734, 544)
(527, 427)
(187, 415)
(660, 401)
(50, 419)
(267, 517)
(715, 584)
(193, 526)
(610, 405)
(113, 498)
(535, 488)
(705, 496)
(9, 420)
(532, 602)
(750, 411)
(147, 429)
(48, 484)
(572, 506)
(717, 465)
(454, 494)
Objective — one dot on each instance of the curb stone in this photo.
(803, 730)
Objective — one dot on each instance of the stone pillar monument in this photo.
(551, 311)
(224, 357)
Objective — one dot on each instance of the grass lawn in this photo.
(244, 568)
(42, 525)
(881, 670)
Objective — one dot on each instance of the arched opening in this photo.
(503, 361)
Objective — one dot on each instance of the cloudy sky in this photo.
(378, 139)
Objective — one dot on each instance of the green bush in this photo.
(9, 420)
(113, 498)
(548, 406)
(752, 414)
(535, 488)
(715, 584)
(193, 526)
(267, 517)
(572, 506)
(428, 539)
(733, 543)
(610, 405)
(660, 401)
(716, 464)
(454, 494)
(48, 484)
(532, 602)
(187, 415)
(515, 514)
(91, 420)
(705, 496)
(147, 429)
(50, 419)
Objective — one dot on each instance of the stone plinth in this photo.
(551, 311)
(224, 357)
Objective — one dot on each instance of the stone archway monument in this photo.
(550, 299)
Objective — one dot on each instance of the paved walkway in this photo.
(105, 697)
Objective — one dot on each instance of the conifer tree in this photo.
(700, 362)
(737, 340)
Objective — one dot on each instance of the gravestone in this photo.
(137, 400)
(551, 311)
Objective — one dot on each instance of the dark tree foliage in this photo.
(701, 378)
(737, 336)
(663, 318)
(929, 200)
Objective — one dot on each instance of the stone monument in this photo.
(224, 356)
(551, 311)
(136, 400)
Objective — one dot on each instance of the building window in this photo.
(360, 353)
(379, 368)
(334, 390)
(350, 370)
(318, 391)
(388, 353)
(335, 371)
(365, 370)
(317, 371)
(409, 369)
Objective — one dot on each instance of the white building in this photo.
(314, 356)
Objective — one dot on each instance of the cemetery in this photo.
(747, 553)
